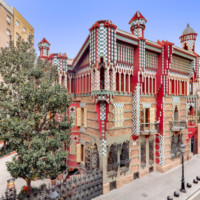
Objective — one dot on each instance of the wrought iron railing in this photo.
(78, 187)
(125, 162)
(113, 166)
(149, 127)
(178, 124)
(192, 118)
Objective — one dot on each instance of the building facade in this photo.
(7, 23)
(21, 27)
(134, 101)
(13, 25)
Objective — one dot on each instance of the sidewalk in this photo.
(5, 175)
(157, 186)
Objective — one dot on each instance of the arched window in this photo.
(117, 81)
(122, 82)
(191, 86)
(176, 114)
(124, 156)
(191, 110)
(112, 159)
(127, 82)
(102, 75)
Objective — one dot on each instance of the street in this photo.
(157, 186)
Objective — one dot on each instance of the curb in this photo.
(13, 152)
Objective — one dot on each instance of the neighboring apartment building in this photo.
(13, 25)
(6, 23)
(134, 101)
(21, 27)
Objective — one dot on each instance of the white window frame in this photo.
(17, 23)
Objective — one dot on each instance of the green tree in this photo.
(30, 100)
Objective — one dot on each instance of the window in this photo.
(124, 156)
(151, 152)
(112, 159)
(176, 141)
(102, 74)
(8, 19)
(176, 114)
(24, 29)
(8, 32)
(82, 116)
(17, 35)
(82, 152)
(95, 157)
(7, 44)
(112, 185)
(143, 154)
(17, 23)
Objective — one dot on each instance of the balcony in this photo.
(149, 128)
(178, 125)
(192, 118)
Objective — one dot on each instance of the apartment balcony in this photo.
(178, 125)
(149, 128)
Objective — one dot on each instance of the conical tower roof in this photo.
(188, 30)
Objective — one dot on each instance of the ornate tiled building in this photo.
(134, 101)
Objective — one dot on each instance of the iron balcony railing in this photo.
(125, 162)
(149, 128)
(113, 166)
(178, 125)
(192, 118)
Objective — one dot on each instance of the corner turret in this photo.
(137, 24)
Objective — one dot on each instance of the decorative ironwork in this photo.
(91, 157)
(178, 125)
(95, 158)
(112, 159)
(149, 128)
(151, 152)
(84, 187)
(124, 156)
(143, 154)
(192, 118)
(176, 141)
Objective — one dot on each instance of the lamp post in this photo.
(182, 147)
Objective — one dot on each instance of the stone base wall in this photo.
(119, 183)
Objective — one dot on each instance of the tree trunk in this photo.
(4, 145)
(28, 186)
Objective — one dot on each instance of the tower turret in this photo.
(188, 38)
(44, 48)
(137, 24)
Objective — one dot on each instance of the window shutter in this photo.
(78, 153)
(78, 116)
(85, 117)
(152, 118)
(152, 115)
(73, 149)
(144, 115)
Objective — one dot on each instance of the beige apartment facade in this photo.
(13, 25)
(6, 23)
(21, 27)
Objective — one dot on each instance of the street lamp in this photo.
(182, 147)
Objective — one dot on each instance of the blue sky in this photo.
(65, 23)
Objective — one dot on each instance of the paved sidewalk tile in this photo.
(157, 186)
